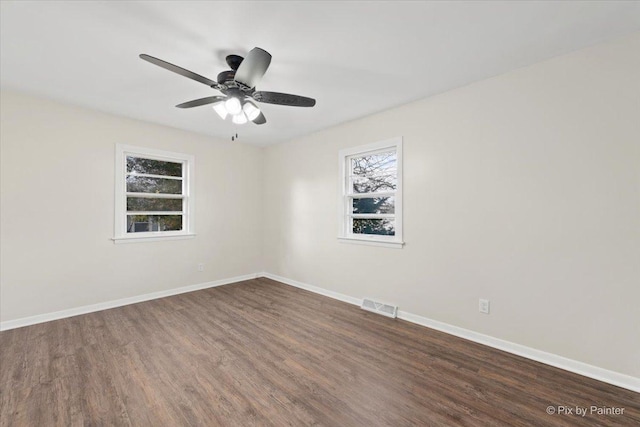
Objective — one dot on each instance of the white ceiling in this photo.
(355, 58)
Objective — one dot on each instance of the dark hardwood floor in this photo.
(263, 353)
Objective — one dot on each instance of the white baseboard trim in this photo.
(47, 317)
(584, 369)
(611, 377)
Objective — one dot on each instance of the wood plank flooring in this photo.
(266, 354)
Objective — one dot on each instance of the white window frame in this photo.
(345, 232)
(188, 196)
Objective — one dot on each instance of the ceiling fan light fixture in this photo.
(221, 109)
(233, 106)
(251, 110)
(239, 119)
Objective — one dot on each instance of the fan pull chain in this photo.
(233, 138)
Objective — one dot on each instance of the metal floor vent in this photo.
(380, 308)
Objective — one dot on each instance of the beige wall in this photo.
(58, 201)
(523, 189)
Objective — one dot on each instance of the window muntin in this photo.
(153, 193)
(371, 192)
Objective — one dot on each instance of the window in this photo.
(371, 193)
(153, 192)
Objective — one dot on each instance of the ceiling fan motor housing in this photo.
(226, 76)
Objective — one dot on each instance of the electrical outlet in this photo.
(201, 267)
(484, 306)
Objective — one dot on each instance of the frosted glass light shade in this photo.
(233, 106)
(220, 109)
(239, 119)
(250, 110)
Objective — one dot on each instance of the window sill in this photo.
(369, 242)
(120, 240)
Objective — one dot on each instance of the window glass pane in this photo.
(147, 223)
(375, 172)
(372, 163)
(143, 184)
(373, 205)
(382, 226)
(387, 182)
(153, 167)
(146, 204)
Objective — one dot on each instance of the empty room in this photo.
(297, 213)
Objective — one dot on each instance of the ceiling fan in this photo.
(238, 87)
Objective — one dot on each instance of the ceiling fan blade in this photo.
(284, 99)
(201, 101)
(253, 67)
(179, 70)
(234, 61)
(260, 120)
